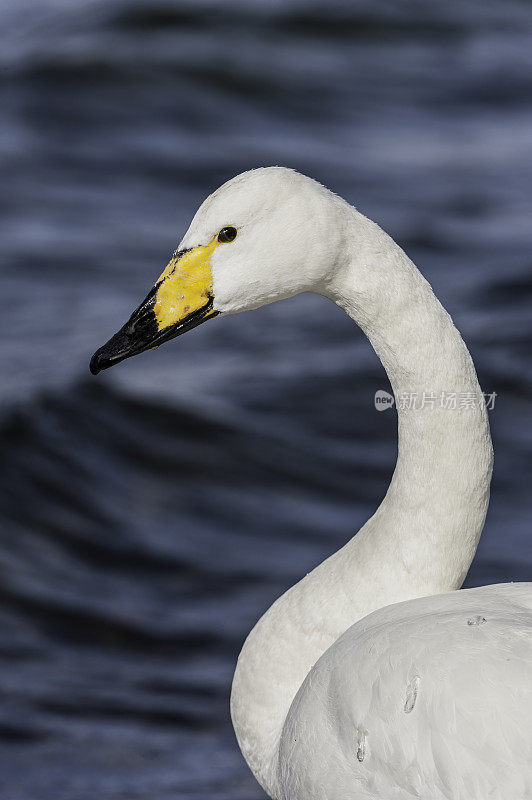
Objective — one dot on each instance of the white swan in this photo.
(372, 677)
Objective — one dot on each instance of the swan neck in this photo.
(434, 510)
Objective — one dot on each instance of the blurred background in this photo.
(150, 515)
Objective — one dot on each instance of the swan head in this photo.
(265, 235)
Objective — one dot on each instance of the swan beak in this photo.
(181, 299)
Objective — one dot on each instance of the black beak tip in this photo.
(96, 365)
(141, 333)
(111, 353)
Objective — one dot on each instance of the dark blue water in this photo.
(150, 515)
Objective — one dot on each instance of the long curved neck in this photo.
(423, 537)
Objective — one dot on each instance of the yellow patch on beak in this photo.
(185, 286)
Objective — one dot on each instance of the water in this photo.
(150, 515)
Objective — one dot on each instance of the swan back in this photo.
(427, 698)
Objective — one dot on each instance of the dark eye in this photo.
(227, 235)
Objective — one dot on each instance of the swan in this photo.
(372, 678)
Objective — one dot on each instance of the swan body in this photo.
(373, 678)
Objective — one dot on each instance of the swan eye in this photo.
(227, 235)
